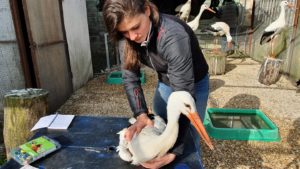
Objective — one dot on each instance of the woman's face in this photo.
(135, 28)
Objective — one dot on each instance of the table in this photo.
(90, 143)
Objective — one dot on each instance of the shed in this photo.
(44, 44)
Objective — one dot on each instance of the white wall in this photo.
(76, 25)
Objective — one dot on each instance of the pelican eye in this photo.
(187, 105)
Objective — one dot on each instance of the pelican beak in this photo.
(211, 10)
(196, 121)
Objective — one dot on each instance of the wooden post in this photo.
(216, 62)
(22, 109)
(269, 72)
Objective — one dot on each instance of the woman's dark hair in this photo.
(114, 12)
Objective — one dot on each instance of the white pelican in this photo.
(220, 29)
(195, 22)
(151, 142)
(184, 10)
(124, 153)
(277, 26)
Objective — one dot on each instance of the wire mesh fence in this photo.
(247, 20)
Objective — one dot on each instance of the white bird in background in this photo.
(277, 26)
(220, 29)
(194, 24)
(207, 2)
(184, 10)
(152, 142)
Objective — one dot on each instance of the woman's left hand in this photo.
(159, 161)
(141, 121)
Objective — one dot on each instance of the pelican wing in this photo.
(178, 8)
(143, 146)
(216, 28)
(210, 30)
(213, 28)
(123, 147)
(150, 132)
(194, 24)
(159, 124)
(266, 37)
(221, 26)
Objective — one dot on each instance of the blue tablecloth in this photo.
(90, 143)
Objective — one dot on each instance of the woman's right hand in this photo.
(141, 121)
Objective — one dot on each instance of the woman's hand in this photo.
(160, 161)
(141, 121)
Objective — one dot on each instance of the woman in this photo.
(165, 44)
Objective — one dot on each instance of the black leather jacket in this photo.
(174, 53)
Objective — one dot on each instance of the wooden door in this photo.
(49, 49)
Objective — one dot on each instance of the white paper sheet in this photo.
(54, 121)
(61, 122)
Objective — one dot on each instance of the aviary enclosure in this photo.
(247, 20)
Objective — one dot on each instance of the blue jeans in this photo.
(163, 92)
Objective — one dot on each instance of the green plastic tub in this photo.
(240, 124)
(116, 78)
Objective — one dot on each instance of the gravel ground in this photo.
(237, 88)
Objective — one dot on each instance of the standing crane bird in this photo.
(184, 10)
(194, 24)
(270, 69)
(220, 29)
(152, 142)
(275, 27)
